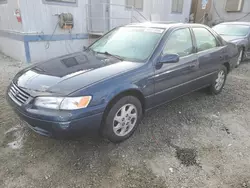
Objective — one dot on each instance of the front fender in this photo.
(103, 92)
(242, 43)
(122, 89)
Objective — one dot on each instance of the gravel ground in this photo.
(196, 141)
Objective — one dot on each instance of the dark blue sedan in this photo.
(108, 87)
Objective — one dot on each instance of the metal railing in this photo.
(102, 17)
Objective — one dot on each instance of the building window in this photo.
(63, 2)
(138, 4)
(234, 5)
(177, 6)
(3, 1)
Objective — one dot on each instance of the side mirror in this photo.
(170, 58)
(84, 48)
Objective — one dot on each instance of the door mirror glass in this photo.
(170, 58)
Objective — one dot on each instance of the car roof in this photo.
(165, 25)
(235, 23)
(154, 24)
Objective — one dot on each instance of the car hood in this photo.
(234, 39)
(66, 74)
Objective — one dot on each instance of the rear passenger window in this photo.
(179, 42)
(204, 39)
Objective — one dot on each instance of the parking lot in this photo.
(196, 141)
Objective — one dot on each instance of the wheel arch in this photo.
(242, 47)
(227, 65)
(128, 92)
(116, 97)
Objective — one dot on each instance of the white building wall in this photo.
(125, 14)
(219, 7)
(164, 9)
(184, 16)
(41, 18)
(119, 14)
(160, 7)
(9, 23)
(12, 48)
(39, 52)
(8, 20)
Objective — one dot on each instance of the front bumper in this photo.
(48, 124)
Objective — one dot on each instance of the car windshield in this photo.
(129, 43)
(232, 29)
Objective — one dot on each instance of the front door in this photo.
(99, 11)
(175, 79)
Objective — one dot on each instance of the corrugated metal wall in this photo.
(160, 7)
(8, 20)
(40, 17)
(8, 23)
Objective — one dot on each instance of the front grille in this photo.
(18, 95)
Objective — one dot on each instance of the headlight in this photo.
(68, 103)
(48, 102)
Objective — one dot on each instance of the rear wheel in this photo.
(122, 119)
(219, 81)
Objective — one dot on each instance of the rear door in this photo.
(175, 79)
(210, 53)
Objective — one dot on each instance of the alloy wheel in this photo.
(240, 58)
(125, 120)
(220, 80)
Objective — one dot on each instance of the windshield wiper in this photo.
(88, 49)
(109, 54)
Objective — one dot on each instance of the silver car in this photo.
(237, 33)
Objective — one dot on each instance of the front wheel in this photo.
(122, 119)
(219, 81)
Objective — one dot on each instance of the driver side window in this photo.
(179, 42)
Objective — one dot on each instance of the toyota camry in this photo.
(108, 87)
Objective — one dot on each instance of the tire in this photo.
(123, 119)
(240, 58)
(219, 81)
